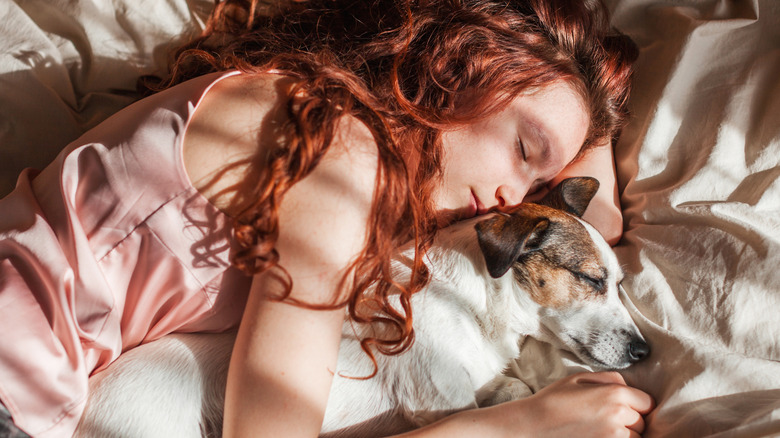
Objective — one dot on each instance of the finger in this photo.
(637, 399)
(634, 398)
(601, 378)
(627, 417)
(640, 401)
(635, 422)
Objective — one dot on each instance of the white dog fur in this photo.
(537, 272)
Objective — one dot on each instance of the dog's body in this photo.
(538, 272)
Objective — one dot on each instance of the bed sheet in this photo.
(66, 65)
(698, 169)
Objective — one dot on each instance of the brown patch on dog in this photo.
(566, 266)
(572, 195)
(504, 238)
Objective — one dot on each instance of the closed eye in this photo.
(521, 148)
(596, 283)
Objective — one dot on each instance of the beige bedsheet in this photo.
(698, 170)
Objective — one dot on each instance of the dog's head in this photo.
(568, 269)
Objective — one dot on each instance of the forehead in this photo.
(556, 117)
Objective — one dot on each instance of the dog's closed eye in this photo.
(597, 283)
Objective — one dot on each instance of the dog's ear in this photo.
(572, 195)
(503, 239)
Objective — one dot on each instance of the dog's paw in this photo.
(502, 389)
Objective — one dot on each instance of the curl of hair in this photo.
(407, 69)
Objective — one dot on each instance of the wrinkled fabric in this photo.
(699, 176)
(66, 65)
(108, 247)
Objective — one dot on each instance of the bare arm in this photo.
(598, 405)
(285, 355)
(281, 368)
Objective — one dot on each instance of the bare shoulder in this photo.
(238, 119)
(324, 217)
(234, 119)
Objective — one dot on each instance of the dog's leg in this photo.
(502, 389)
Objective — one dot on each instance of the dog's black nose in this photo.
(638, 350)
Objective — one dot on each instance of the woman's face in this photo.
(499, 161)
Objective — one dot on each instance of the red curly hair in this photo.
(407, 69)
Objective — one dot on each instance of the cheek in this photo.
(479, 150)
(455, 161)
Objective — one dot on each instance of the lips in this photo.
(476, 207)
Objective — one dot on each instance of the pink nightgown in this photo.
(109, 247)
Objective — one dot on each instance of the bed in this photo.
(698, 171)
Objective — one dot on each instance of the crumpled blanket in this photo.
(698, 170)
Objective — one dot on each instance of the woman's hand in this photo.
(598, 405)
(588, 405)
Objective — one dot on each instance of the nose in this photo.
(508, 196)
(638, 350)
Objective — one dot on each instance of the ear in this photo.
(572, 195)
(503, 239)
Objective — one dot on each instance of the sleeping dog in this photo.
(539, 271)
